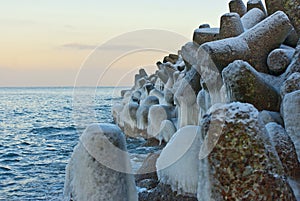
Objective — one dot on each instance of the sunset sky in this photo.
(46, 42)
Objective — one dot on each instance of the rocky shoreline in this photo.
(225, 110)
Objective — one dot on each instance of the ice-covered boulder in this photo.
(245, 84)
(143, 111)
(253, 45)
(99, 168)
(291, 84)
(177, 164)
(294, 65)
(252, 18)
(239, 164)
(266, 117)
(185, 98)
(290, 7)
(279, 59)
(291, 117)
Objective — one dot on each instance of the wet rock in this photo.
(253, 45)
(291, 117)
(243, 83)
(237, 6)
(99, 167)
(279, 59)
(239, 164)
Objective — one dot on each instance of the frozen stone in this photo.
(266, 117)
(285, 149)
(235, 161)
(157, 114)
(256, 4)
(143, 111)
(245, 84)
(253, 45)
(166, 131)
(291, 117)
(185, 99)
(148, 168)
(287, 154)
(204, 26)
(290, 7)
(189, 52)
(237, 6)
(178, 162)
(99, 168)
(203, 35)
(291, 84)
(292, 39)
(252, 18)
(231, 25)
(279, 59)
(294, 65)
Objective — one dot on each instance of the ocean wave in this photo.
(51, 129)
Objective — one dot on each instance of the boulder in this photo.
(243, 83)
(99, 168)
(291, 84)
(253, 45)
(279, 59)
(256, 4)
(291, 116)
(290, 7)
(237, 6)
(236, 163)
(252, 18)
(266, 117)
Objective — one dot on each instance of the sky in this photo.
(52, 42)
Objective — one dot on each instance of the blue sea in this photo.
(39, 128)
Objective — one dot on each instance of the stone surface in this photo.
(253, 45)
(294, 65)
(203, 35)
(231, 25)
(291, 117)
(98, 166)
(148, 168)
(291, 84)
(237, 6)
(240, 166)
(285, 149)
(266, 117)
(256, 4)
(290, 7)
(243, 83)
(252, 18)
(279, 59)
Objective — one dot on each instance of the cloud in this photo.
(80, 46)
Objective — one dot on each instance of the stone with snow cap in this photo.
(252, 18)
(256, 4)
(279, 59)
(253, 45)
(235, 161)
(99, 168)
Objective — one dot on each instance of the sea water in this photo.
(39, 128)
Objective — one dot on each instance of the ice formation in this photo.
(177, 164)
